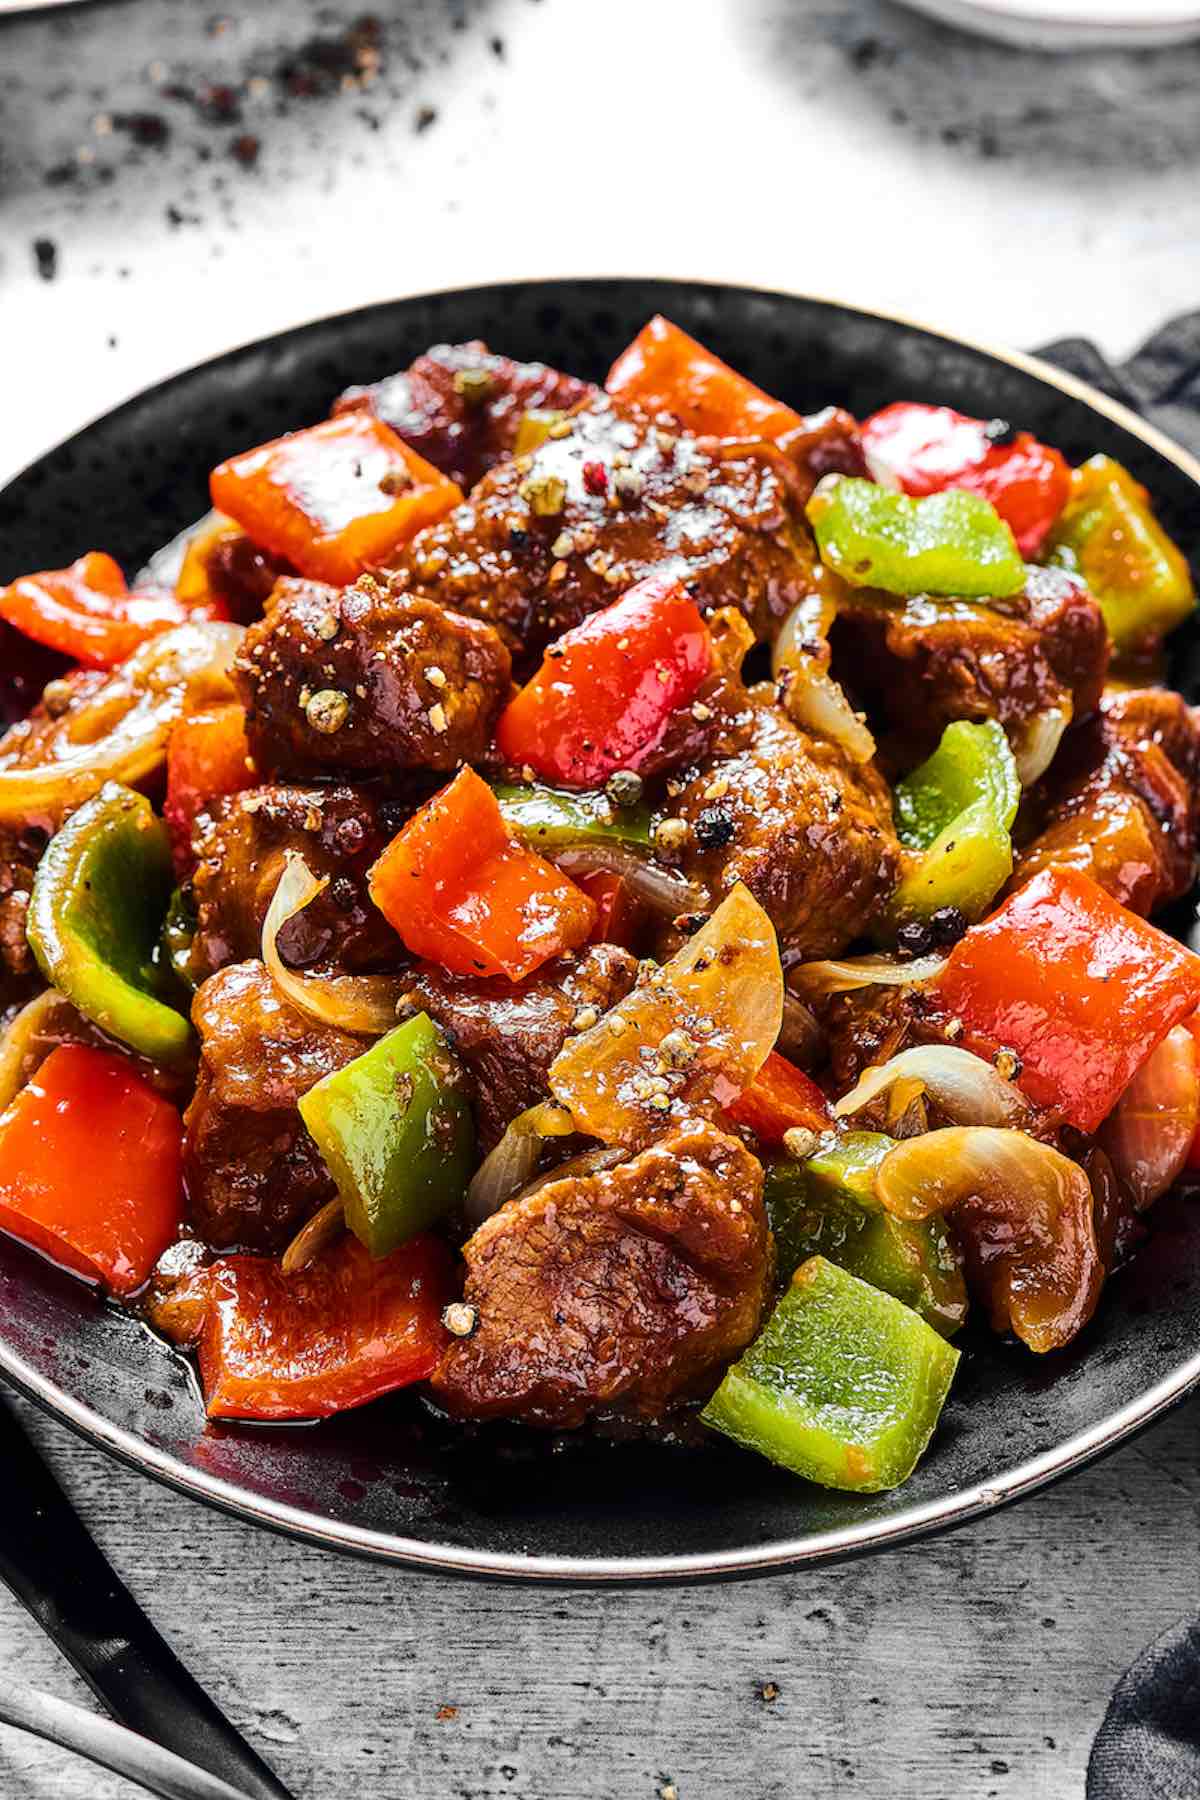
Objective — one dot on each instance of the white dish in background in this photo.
(1072, 24)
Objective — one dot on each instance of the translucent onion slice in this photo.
(364, 1005)
(800, 1037)
(1148, 1135)
(962, 1085)
(833, 976)
(1038, 743)
(1023, 1215)
(689, 1038)
(508, 1168)
(663, 890)
(811, 697)
(315, 1236)
(120, 733)
(23, 1044)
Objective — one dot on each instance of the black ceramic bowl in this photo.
(389, 1481)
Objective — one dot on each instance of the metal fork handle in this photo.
(112, 1746)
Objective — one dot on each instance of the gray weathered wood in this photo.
(875, 157)
(974, 1666)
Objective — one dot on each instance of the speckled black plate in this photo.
(389, 1481)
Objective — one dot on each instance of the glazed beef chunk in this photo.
(1121, 801)
(547, 539)
(809, 832)
(460, 407)
(363, 681)
(253, 1174)
(241, 849)
(508, 1033)
(921, 664)
(629, 1287)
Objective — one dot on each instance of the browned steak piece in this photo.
(253, 1174)
(459, 406)
(362, 681)
(241, 849)
(920, 664)
(809, 832)
(547, 539)
(508, 1033)
(631, 1287)
(1122, 802)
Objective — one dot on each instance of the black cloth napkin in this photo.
(1148, 1747)
(1162, 380)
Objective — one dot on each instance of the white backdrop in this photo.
(853, 150)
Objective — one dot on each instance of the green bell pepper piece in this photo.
(1109, 535)
(844, 1384)
(395, 1129)
(549, 819)
(958, 809)
(176, 946)
(95, 915)
(827, 1206)
(948, 543)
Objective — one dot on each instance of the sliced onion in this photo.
(1023, 1215)
(22, 1044)
(811, 697)
(120, 732)
(687, 1040)
(800, 1037)
(663, 890)
(364, 1005)
(962, 1085)
(506, 1169)
(1149, 1134)
(833, 976)
(1038, 743)
(315, 1236)
(588, 1162)
(164, 566)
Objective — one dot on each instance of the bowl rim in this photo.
(951, 1510)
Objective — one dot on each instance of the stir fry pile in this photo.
(613, 905)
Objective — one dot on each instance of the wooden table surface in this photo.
(175, 177)
(976, 1666)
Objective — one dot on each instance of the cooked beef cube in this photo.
(25, 668)
(508, 1033)
(363, 681)
(923, 663)
(865, 1027)
(828, 443)
(252, 1172)
(241, 848)
(19, 855)
(630, 1287)
(459, 406)
(242, 576)
(1121, 801)
(809, 832)
(546, 540)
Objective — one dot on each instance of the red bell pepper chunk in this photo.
(462, 889)
(665, 370)
(335, 499)
(924, 449)
(606, 691)
(1077, 985)
(619, 913)
(87, 611)
(780, 1098)
(336, 1334)
(90, 1167)
(207, 756)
